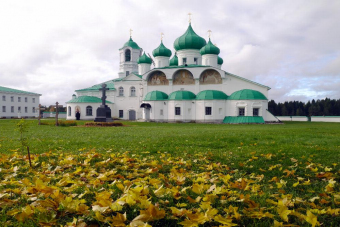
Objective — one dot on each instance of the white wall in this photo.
(218, 108)
(325, 118)
(293, 118)
(8, 103)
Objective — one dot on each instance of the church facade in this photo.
(190, 86)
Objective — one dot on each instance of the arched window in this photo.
(89, 111)
(121, 91)
(132, 91)
(69, 111)
(128, 55)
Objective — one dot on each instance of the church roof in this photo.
(219, 60)
(11, 90)
(161, 50)
(86, 99)
(131, 44)
(210, 49)
(144, 59)
(247, 94)
(109, 85)
(182, 95)
(189, 40)
(174, 61)
(244, 120)
(211, 95)
(155, 96)
(250, 81)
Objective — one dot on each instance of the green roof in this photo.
(131, 44)
(86, 99)
(182, 95)
(155, 96)
(174, 61)
(247, 94)
(109, 85)
(189, 40)
(210, 49)
(210, 95)
(161, 50)
(144, 59)
(244, 120)
(10, 90)
(219, 60)
(140, 76)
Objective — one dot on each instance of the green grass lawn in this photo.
(271, 160)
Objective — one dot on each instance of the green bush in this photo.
(104, 124)
(67, 123)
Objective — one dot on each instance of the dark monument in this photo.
(103, 112)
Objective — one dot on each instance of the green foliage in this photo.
(67, 123)
(22, 127)
(104, 124)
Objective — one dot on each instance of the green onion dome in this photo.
(219, 60)
(247, 94)
(155, 96)
(131, 44)
(161, 51)
(182, 95)
(174, 61)
(210, 49)
(210, 95)
(189, 40)
(144, 59)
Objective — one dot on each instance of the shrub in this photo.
(67, 123)
(104, 124)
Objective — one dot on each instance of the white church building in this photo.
(188, 85)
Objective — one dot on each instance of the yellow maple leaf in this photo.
(224, 221)
(152, 213)
(283, 212)
(311, 218)
(118, 220)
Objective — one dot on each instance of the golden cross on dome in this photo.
(189, 17)
(130, 32)
(209, 31)
(162, 34)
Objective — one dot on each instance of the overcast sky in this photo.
(55, 47)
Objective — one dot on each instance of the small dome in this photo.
(182, 95)
(247, 94)
(189, 40)
(155, 96)
(174, 61)
(210, 95)
(210, 49)
(161, 50)
(131, 44)
(219, 60)
(144, 59)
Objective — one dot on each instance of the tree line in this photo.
(323, 107)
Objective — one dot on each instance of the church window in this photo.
(240, 111)
(184, 61)
(89, 111)
(127, 73)
(132, 91)
(121, 114)
(69, 111)
(33, 109)
(12, 98)
(4, 109)
(195, 61)
(25, 99)
(161, 112)
(177, 110)
(256, 112)
(3, 98)
(25, 109)
(12, 109)
(207, 110)
(19, 109)
(19, 99)
(128, 55)
(33, 100)
(220, 111)
(121, 91)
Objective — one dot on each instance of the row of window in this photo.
(88, 111)
(19, 109)
(241, 111)
(195, 61)
(208, 111)
(132, 91)
(19, 99)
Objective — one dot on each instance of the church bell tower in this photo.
(129, 55)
